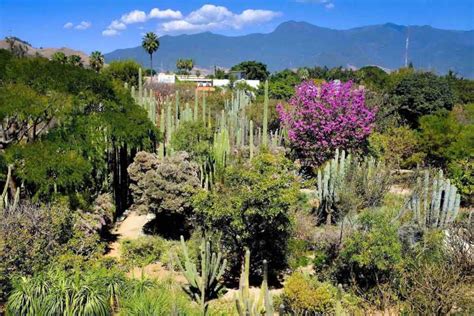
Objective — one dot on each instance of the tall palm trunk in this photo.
(151, 65)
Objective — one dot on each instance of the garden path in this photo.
(130, 228)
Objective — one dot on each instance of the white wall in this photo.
(220, 82)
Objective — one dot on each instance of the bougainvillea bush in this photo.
(321, 118)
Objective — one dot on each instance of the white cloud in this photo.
(68, 25)
(328, 4)
(135, 16)
(117, 25)
(110, 32)
(206, 18)
(209, 13)
(212, 17)
(84, 25)
(156, 13)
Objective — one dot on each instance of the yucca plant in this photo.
(28, 296)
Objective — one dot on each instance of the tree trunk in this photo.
(151, 65)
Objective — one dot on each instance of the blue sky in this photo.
(106, 25)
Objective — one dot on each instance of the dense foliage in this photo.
(252, 210)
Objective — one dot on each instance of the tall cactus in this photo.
(203, 284)
(329, 181)
(140, 85)
(251, 139)
(204, 107)
(196, 104)
(265, 116)
(434, 204)
(246, 304)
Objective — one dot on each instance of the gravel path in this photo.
(130, 228)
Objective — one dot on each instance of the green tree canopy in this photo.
(124, 70)
(420, 94)
(253, 70)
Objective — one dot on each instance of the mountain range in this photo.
(297, 44)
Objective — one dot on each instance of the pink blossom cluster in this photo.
(322, 118)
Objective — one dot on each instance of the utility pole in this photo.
(407, 43)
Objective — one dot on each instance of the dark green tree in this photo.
(253, 70)
(419, 94)
(124, 70)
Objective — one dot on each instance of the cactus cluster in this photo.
(144, 98)
(234, 131)
(330, 179)
(203, 282)
(246, 303)
(435, 202)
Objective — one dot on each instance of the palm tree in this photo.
(96, 60)
(150, 43)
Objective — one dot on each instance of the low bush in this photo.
(398, 147)
(371, 255)
(144, 297)
(142, 251)
(303, 294)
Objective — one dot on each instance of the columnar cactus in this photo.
(435, 204)
(265, 116)
(204, 283)
(246, 304)
(329, 181)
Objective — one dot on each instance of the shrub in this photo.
(448, 140)
(435, 289)
(33, 236)
(142, 251)
(303, 294)
(365, 185)
(144, 297)
(321, 119)
(165, 187)
(398, 147)
(252, 210)
(372, 254)
(194, 138)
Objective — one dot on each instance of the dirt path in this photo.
(130, 228)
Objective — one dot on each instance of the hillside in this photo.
(49, 51)
(295, 44)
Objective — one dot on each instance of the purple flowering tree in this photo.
(322, 118)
